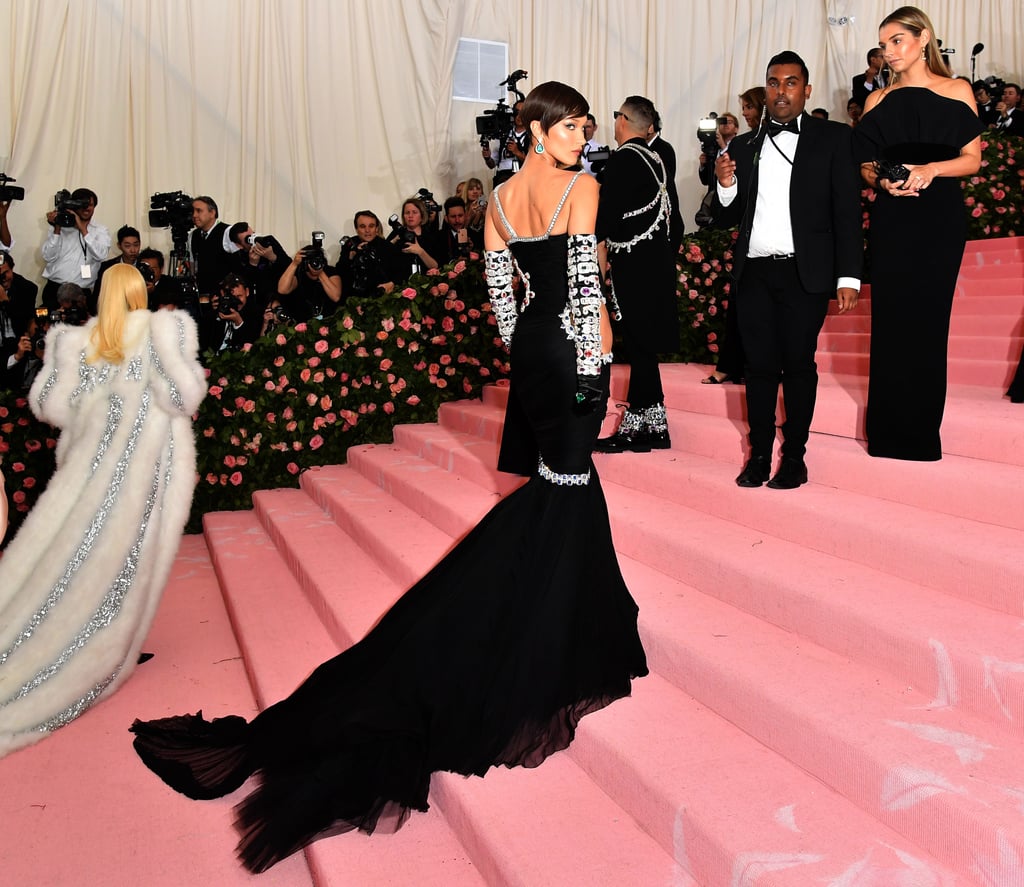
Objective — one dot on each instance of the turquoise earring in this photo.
(538, 148)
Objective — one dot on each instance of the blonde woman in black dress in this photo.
(917, 138)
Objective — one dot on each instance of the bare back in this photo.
(530, 200)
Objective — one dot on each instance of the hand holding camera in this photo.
(725, 170)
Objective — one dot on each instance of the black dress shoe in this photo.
(791, 474)
(622, 442)
(757, 470)
(145, 657)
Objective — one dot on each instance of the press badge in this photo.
(86, 272)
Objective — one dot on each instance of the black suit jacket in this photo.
(824, 203)
(212, 261)
(1016, 127)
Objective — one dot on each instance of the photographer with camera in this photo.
(472, 192)
(368, 264)
(510, 151)
(309, 286)
(260, 259)
(163, 291)
(75, 248)
(23, 365)
(417, 244)
(237, 323)
(714, 133)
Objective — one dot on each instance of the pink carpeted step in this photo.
(979, 422)
(818, 725)
(982, 347)
(281, 651)
(656, 808)
(81, 809)
(894, 622)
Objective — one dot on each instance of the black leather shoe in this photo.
(659, 440)
(635, 442)
(757, 470)
(791, 474)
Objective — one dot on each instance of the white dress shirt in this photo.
(66, 253)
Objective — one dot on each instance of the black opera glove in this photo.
(498, 269)
(590, 395)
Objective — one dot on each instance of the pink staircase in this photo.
(837, 685)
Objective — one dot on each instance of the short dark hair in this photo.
(6, 259)
(85, 194)
(822, 113)
(642, 113)
(1015, 86)
(452, 202)
(550, 102)
(150, 253)
(365, 212)
(788, 57)
(592, 119)
(210, 202)
(127, 231)
(237, 229)
(875, 50)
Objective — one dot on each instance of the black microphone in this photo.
(978, 47)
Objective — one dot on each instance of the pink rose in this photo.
(236, 478)
(313, 362)
(215, 390)
(447, 324)
(409, 292)
(28, 483)
(292, 468)
(442, 288)
(389, 407)
(388, 323)
(412, 400)
(321, 346)
(315, 442)
(301, 327)
(249, 406)
(305, 374)
(229, 461)
(281, 340)
(385, 364)
(325, 403)
(311, 399)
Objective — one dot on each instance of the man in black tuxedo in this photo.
(799, 243)
(1010, 119)
(668, 158)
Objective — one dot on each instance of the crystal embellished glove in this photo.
(498, 269)
(585, 301)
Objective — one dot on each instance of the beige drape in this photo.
(295, 113)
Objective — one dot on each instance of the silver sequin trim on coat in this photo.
(154, 358)
(85, 547)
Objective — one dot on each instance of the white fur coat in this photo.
(80, 583)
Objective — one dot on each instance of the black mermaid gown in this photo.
(492, 658)
(917, 244)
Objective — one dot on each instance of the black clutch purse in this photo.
(894, 172)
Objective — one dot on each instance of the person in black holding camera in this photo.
(17, 293)
(24, 363)
(164, 291)
(75, 248)
(309, 286)
(260, 259)
(237, 320)
(511, 150)
(368, 264)
(417, 243)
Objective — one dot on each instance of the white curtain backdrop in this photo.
(293, 114)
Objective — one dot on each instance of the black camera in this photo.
(170, 209)
(66, 206)
(707, 134)
(427, 197)
(228, 301)
(313, 256)
(597, 156)
(281, 315)
(10, 192)
(261, 239)
(495, 123)
(71, 315)
(399, 232)
(39, 342)
(147, 272)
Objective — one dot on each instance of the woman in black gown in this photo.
(523, 628)
(917, 137)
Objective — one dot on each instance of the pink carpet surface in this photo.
(837, 685)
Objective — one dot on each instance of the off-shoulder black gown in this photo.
(492, 658)
(917, 244)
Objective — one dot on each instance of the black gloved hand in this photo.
(589, 395)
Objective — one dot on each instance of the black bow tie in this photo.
(775, 128)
